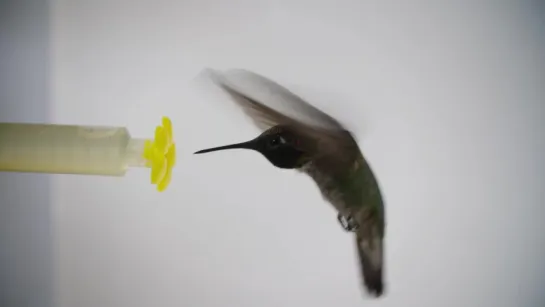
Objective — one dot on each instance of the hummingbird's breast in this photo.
(348, 191)
(329, 187)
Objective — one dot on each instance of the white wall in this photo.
(447, 100)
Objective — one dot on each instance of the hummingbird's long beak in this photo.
(243, 145)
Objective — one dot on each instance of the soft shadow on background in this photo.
(445, 98)
(26, 240)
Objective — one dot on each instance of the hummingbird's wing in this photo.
(244, 87)
(263, 100)
(263, 116)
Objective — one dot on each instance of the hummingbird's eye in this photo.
(276, 141)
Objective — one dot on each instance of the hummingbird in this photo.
(326, 151)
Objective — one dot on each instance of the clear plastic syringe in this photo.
(89, 150)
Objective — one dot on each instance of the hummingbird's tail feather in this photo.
(370, 251)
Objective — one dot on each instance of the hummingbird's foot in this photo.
(347, 223)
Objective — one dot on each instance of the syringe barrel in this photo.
(66, 149)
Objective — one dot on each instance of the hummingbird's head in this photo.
(280, 145)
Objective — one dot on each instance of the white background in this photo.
(446, 100)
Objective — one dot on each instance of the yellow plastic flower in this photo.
(160, 155)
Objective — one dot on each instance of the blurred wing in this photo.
(270, 103)
(264, 117)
